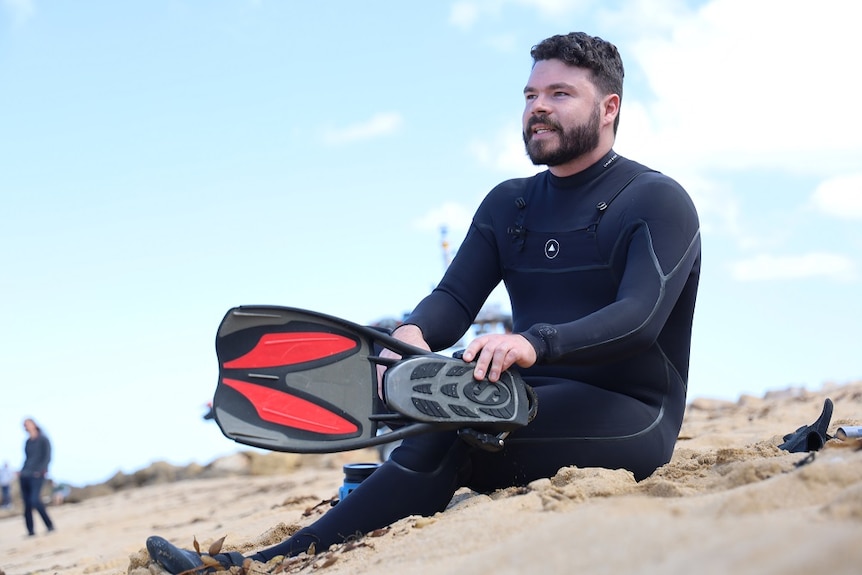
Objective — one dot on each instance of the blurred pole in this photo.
(444, 244)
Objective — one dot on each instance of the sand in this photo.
(730, 502)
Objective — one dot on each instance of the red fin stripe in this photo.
(291, 411)
(276, 349)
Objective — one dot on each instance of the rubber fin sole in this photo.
(443, 391)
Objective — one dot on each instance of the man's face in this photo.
(561, 115)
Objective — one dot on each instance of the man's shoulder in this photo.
(651, 191)
(623, 165)
(644, 176)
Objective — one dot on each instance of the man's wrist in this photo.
(405, 328)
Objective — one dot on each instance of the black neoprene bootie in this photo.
(810, 437)
(175, 560)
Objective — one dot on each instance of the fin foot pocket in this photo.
(443, 391)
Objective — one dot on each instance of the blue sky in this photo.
(163, 161)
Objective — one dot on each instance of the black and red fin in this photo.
(303, 382)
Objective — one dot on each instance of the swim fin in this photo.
(810, 437)
(304, 382)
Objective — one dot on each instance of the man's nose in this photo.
(538, 105)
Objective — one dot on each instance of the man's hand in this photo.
(495, 353)
(408, 333)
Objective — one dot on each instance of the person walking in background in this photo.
(5, 482)
(37, 456)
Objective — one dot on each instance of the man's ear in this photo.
(610, 108)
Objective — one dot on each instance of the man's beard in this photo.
(573, 143)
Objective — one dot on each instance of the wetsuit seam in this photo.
(670, 365)
(653, 424)
(538, 270)
(663, 280)
(649, 428)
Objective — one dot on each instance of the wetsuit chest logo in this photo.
(552, 249)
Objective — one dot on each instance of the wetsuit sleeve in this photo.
(447, 312)
(658, 248)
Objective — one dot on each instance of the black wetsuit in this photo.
(602, 270)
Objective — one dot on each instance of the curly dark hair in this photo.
(585, 51)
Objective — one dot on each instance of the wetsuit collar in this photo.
(576, 180)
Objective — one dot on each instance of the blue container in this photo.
(354, 474)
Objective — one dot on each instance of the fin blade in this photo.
(291, 411)
(291, 348)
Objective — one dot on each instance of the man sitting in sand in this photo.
(601, 259)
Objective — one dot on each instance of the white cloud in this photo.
(21, 10)
(840, 197)
(379, 125)
(732, 89)
(506, 43)
(554, 8)
(464, 14)
(766, 267)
